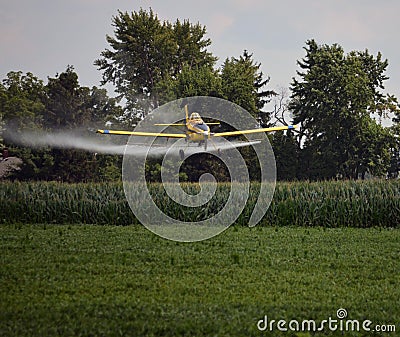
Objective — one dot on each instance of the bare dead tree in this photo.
(280, 113)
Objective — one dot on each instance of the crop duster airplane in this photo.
(196, 130)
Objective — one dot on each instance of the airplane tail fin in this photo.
(187, 113)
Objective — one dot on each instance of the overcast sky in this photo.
(44, 36)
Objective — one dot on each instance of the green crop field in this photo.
(67, 269)
(325, 204)
(85, 280)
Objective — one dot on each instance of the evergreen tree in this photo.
(243, 83)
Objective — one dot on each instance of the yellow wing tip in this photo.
(103, 131)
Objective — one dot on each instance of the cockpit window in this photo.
(201, 126)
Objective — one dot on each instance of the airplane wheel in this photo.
(182, 154)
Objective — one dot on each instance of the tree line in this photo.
(27, 104)
(333, 97)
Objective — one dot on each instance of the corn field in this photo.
(328, 204)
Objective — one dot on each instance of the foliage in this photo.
(85, 280)
(394, 168)
(71, 106)
(21, 101)
(243, 83)
(189, 82)
(333, 100)
(27, 104)
(65, 101)
(146, 51)
(287, 152)
(22, 108)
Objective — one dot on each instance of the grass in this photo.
(85, 280)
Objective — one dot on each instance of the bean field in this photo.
(90, 280)
(67, 269)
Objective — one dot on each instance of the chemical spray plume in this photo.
(67, 139)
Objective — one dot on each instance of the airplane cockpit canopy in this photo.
(201, 126)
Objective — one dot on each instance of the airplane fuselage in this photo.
(197, 129)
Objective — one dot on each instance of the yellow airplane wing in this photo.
(144, 134)
(245, 132)
(166, 124)
(181, 124)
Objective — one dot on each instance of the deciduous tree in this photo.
(333, 98)
(146, 51)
